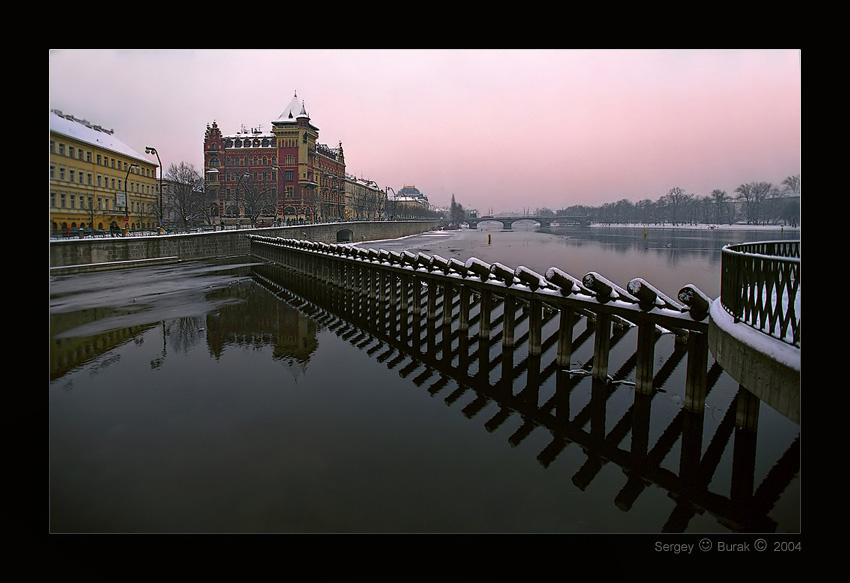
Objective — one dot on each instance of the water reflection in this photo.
(220, 303)
(187, 414)
(607, 420)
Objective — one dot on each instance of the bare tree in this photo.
(256, 200)
(675, 201)
(646, 211)
(792, 185)
(185, 193)
(89, 207)
(720, 202)
(753, 194)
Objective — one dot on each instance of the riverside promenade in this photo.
(99, 253)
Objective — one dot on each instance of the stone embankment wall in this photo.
(75, 255)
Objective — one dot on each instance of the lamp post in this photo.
(387, 203)
(280, 195)
(149, 150)
(127, 200)
(241, 210)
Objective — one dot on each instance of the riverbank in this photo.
(734, 227)
(78, 255)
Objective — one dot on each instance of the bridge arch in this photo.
(344, 236)
(543, 222)
(527, 222)
(479, 222)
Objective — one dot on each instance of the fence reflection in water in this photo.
(510, 354)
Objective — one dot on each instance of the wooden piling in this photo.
(645, 367)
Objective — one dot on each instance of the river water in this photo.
(197, 398)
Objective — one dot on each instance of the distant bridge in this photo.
(544, 221)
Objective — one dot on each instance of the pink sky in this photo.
(500, 129)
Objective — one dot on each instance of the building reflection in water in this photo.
(241, 314)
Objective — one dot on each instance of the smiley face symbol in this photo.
(705, 545)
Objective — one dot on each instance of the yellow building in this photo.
(98, 183)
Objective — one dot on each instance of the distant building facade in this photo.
(364, 200)
(281, 176)
(409, 202)
(97, 182)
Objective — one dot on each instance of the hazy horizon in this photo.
(499, 129)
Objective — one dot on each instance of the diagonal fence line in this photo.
(416, 333)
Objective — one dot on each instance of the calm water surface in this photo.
(202, 398)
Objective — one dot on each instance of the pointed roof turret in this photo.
(294, 110)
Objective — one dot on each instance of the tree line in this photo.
(756, 203)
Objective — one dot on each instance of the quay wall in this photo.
(90, 254)
(767, 367)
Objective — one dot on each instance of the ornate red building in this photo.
(282, 176)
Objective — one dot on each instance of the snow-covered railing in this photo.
(376, 301)
(463, 293)
(760, 285)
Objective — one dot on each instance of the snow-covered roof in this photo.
(411, 192)
(294, 110)
(78, 129)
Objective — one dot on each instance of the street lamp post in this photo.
(149, 150)
(280, 196)
(127, 200)
(389, 188)
(241, 210)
